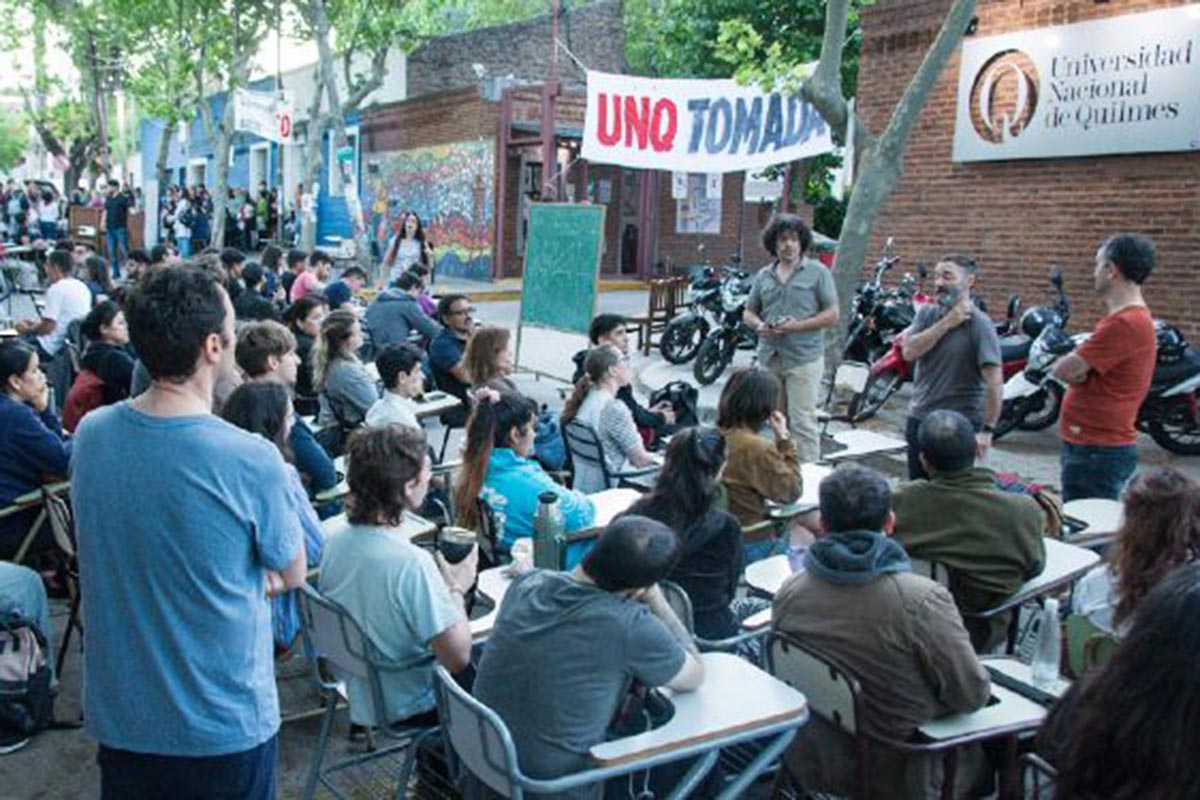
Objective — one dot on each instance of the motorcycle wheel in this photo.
(877, 391)
(681, 341)
(1176, 432)
(1043, 410)
(1012, 414)
(712, 358)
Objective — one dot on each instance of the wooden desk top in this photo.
(436, 403)
(1011, 711)
(859, 442)
(611, 502)
(758, 620)
(735, 698)
(811, 476)
(768, 575)
(492, 583)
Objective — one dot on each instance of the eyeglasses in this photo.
(459, 312)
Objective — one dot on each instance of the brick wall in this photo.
(1019, 217)
(592, 32)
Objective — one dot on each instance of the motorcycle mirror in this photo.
(1056, 273)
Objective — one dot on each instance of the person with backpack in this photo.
(26, 656)
(106, 367)
(184, 221)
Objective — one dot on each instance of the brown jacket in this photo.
(901, 636)
(757, 470)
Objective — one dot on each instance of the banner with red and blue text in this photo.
(704, 126)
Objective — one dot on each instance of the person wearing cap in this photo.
(252, 304)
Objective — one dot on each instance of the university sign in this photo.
(1127, 84)
(696, 125)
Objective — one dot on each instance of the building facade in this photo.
(1020, 216)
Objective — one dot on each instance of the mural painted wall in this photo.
(450, 186)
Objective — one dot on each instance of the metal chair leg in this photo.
(314, 772)
(445, 442)
(72, 622)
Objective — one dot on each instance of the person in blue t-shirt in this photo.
(498, 467)
(179, 671)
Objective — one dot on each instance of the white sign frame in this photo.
(1125, 84)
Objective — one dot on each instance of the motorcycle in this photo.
(682, 337)
(716, 350)
(879, 313)
(1170, 413)
(1031, 398)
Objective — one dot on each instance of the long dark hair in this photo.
(490, 426)
(687, 485)
(1132, 730)
(402, 234)
(749, 398)
(14, 360)
(596, 364)
(1161, 531)
(261, 408)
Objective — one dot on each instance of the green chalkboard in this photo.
(562, 260)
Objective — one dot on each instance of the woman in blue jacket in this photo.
(498, 467)
(32, 446)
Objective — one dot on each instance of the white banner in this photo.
(1125, 84)
(264, 114)
(696, 126)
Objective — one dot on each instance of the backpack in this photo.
(87, 394)
(683, 397)
(26, 702)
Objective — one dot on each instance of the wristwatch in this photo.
(988, 428)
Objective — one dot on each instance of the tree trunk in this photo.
(880, 158)
(337, 115)
(160, 163)
(313, 159)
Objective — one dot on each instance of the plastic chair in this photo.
(343, 650)
(62, 525)
(484, 746)
(586, 448)
(835, 695)
(1088, 647)
(681, 604)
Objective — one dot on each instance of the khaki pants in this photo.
(801, 393)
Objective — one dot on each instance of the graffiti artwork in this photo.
(451, 188)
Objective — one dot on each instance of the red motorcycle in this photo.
(891, 371)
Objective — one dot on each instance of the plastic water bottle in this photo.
(1048, 656)
(547, 528)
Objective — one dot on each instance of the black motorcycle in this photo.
(879, 313)
(682, 337)
(733, 334)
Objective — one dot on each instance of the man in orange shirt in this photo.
(1109, 375)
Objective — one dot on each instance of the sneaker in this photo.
(11, 742)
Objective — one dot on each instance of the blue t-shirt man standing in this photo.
(184, 525)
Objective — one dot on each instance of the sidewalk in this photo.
(510, 288)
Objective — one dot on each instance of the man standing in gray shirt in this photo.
(791, 303)
(958, 361)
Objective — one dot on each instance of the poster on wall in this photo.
(1125, 84)
(706, 126)
(698, 213)
(450, 188)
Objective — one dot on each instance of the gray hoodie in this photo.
(393, 315)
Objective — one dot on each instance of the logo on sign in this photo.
(1004, 96)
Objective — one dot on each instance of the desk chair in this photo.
(62, 525)
(666, 296)
(585, 447)
(343, 649)
(489, 542)
(835, 695)
(484, 747)
(1088, 647)
(1037, 777)
(681, 604)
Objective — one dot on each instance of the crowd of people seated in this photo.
(195, 383)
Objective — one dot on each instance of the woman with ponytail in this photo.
(497, 467)
(606, 371)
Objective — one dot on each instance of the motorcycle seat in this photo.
(1172, 372)
(1015, 347)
